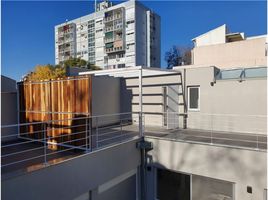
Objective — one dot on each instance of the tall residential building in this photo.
(115, 36)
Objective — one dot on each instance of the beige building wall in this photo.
(245, 53)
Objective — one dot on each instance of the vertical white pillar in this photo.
(140, 103)
(148, 36)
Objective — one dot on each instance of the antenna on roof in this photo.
(95, 5)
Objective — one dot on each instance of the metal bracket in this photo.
(147, 146)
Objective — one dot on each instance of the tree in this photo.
(178, 56)
(74, 62)
(93, 67)
(43, 72)
(78, 62)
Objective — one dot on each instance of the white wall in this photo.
(229, 105)
(239, 166)
(215, 36)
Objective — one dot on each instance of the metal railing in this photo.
(43, 143)
(241, 131)
(46, 142)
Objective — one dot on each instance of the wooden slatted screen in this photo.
(63, 102)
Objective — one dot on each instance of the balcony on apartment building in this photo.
(69, 38)
(66, 28)
(114, 42)
(114, 15)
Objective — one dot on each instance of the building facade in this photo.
(115, 36)
(224, 49)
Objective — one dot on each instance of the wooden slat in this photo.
(66, 95)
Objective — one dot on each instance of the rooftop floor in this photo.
(31, 156)
(232, 139)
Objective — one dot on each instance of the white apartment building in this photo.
(114, 36)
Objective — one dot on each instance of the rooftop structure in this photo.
(173, 129)
(224, 49)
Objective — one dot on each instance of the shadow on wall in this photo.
(126, 97)
(211, 161)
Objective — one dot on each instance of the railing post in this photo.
(257, 142)
(86, 138)
(45, 144)
(121, 128)
(143, 123)
(211, 129)
(140, 125)
(97, 133)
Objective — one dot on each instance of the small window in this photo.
(193, 98)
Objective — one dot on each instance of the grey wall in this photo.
(140, 34)
(239, 166)
(106, 98)
(73, 178)
(9, 110)
(156, 43)
(229, 105)
(125, 190)
(8, 84)
(9, 114)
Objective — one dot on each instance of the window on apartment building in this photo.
(194, 98)
(130, 22)
(121, 65)
(121, 55)
(99, 22)
(112, 56)
(130, 45)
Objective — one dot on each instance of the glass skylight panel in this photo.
(256, 72)
(231, 74)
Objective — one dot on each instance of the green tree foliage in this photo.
(74, 62)
(178, 56)
(78, 62)
(93, 67)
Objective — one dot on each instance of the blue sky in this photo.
(28, 26)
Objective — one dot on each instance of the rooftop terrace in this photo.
(24, 153)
